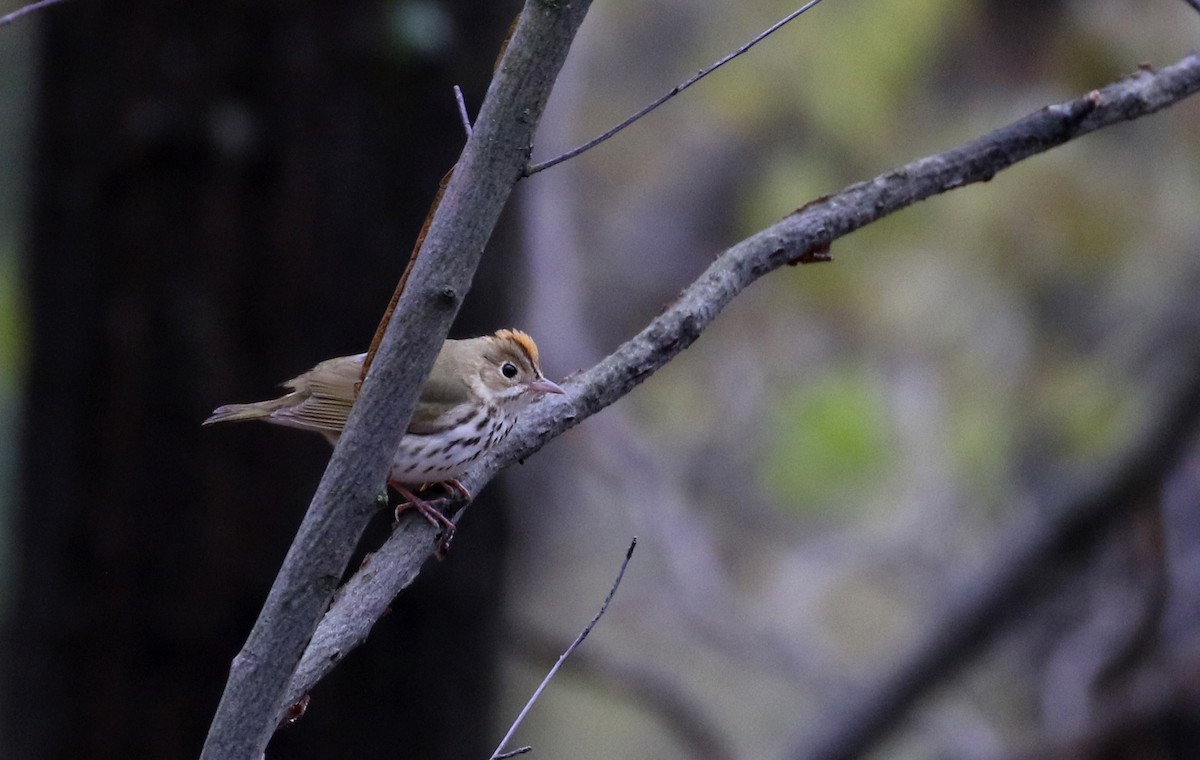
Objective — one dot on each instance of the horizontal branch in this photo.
(797, 238)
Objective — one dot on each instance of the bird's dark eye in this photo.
(509, 370)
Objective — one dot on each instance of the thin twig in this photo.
(514, 752)
(462, 109)
(18, 13)
(674, 91)
(562, 658)
(640, 683)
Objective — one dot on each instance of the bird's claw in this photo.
(429, 510)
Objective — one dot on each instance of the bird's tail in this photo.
(255, 411)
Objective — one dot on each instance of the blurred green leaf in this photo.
(828, 445)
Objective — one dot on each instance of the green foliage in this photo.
(847, 69)
(890, 48)
(829, 441)
(981, 446)
(1085, 408)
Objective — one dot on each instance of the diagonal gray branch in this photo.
(491, 163)
(798, 236)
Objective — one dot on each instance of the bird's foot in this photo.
(431, 513)
(453, 487)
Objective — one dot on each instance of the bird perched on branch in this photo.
(470, 402)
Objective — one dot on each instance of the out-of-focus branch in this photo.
(1076, 517)
(799, 237)
(1113, 640)
(1159, 707)
(490, 165)
(19, 12)
(1144, 532)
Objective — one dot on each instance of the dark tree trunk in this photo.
(225, 193)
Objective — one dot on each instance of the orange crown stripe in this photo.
(524, 341)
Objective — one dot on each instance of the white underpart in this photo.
(449, 454)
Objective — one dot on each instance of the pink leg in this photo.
(453, 486)
(430, 513)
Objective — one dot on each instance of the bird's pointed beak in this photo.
(542, 385)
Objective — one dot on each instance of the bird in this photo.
(469, 404)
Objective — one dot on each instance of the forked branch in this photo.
(800, 237)
(490, 165)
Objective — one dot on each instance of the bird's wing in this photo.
(323, 396)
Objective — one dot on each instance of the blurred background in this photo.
(198, 201)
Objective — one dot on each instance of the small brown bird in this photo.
(469, 404)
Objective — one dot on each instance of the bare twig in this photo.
(487, 170)
(811, 228)
(513, 753)
(672, 93)
(462, 110)
(657, 690)
(18, 13)
(562, 658)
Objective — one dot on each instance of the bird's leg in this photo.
(453, 486)
(430, 513)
